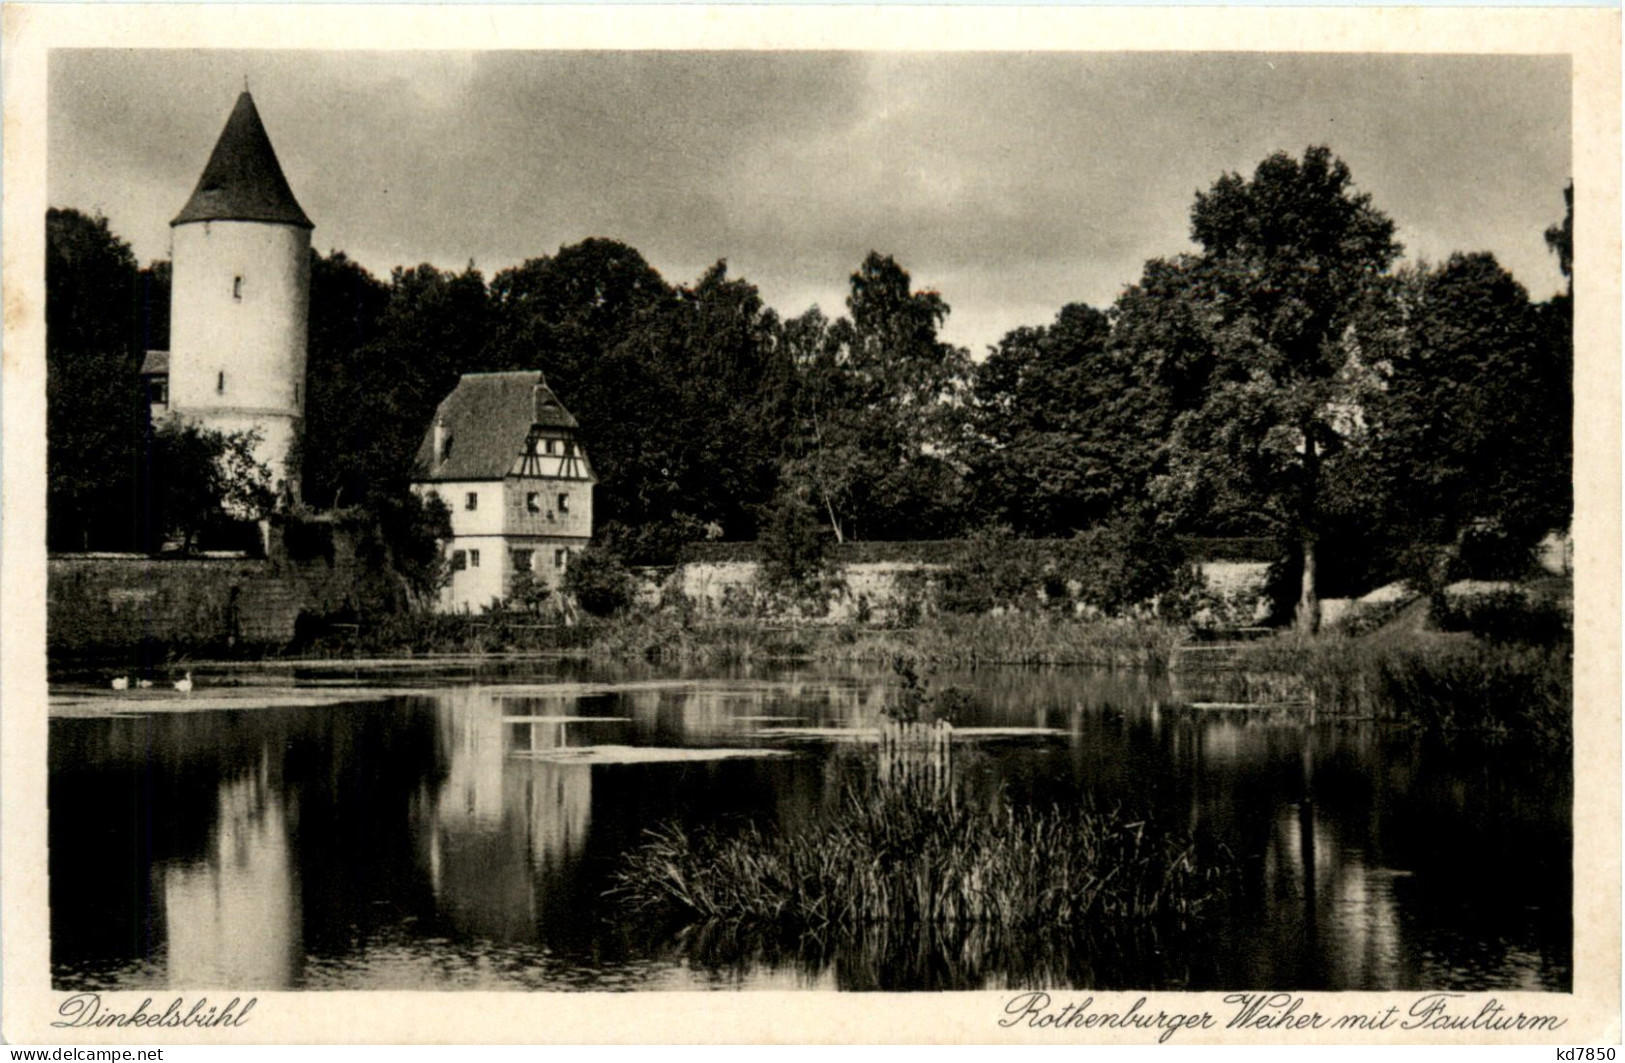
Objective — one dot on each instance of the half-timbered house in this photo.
(502, 453)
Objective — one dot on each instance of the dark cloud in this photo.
(1012, 182)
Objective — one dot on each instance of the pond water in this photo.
(458, 831)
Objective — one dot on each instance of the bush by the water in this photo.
(919, 700)
(1507, 614)
(908, 855)
(600, 582)
(794, 546)
(1020, 638)
(1442, 684)
(1122, 564)
(411, 634)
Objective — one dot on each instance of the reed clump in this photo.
(1015, 638)
(1042, 638)
(907, 855)
(1498, 691)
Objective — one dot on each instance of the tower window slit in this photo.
(220, 383)
(237, 287)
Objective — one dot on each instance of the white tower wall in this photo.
(239, 320)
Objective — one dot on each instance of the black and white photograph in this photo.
(1076, 526)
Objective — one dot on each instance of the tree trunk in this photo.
(834, 524)
(1307, 619)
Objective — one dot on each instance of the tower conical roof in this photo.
(243, 181)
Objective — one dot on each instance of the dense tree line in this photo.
(1289, 378)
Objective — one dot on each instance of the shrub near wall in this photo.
(899, 583)
(946, 551)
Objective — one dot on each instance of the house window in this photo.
(237, 287)
(445, 449)
(564, 503)
(220, 383)
(522, 560)
(472, 501)
(569, 449)
(459, 560)
(533, 502)
(158, 391)
(473, 559)
(550, 444)
(560, 558)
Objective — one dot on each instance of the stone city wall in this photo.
(100, 603)
(884, 591)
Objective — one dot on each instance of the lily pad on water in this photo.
(869, 734)
(643, 754)
(169, 701)
(565, 719)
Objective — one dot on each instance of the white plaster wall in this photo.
(486, 518)
(472, 589)
(495, 531)
(707, 584)
(875, 584)
(255, 335)
(1235, 580)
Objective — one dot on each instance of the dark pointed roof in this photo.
(489, 418)
(243, 181)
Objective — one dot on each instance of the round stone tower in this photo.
(240, 300)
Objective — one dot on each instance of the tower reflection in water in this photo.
(233, 915)
(431, 841)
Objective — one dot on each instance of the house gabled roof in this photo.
(243, 180)
(488, 418)
(156, 363)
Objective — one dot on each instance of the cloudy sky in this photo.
(1013, 183)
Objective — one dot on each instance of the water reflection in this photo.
(498, 832)
(458, 839)
(233, 915)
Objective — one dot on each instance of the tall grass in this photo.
(928, 958)
(1440, 683)
(906, 855)
(962, 640)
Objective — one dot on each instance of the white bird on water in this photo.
(144, 684)
(184, 685)
(121, 682)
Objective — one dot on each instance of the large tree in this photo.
(588, 316)
(1291, 259)
(1470, 428)
(873, 409)
(1059, 434)
(347, 305)
(715, 425)
(679, 391)
(380, 362)
(95, 410)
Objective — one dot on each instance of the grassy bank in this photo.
(1441, 683)
(957, 640)
(669, 638)
(903, 855)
